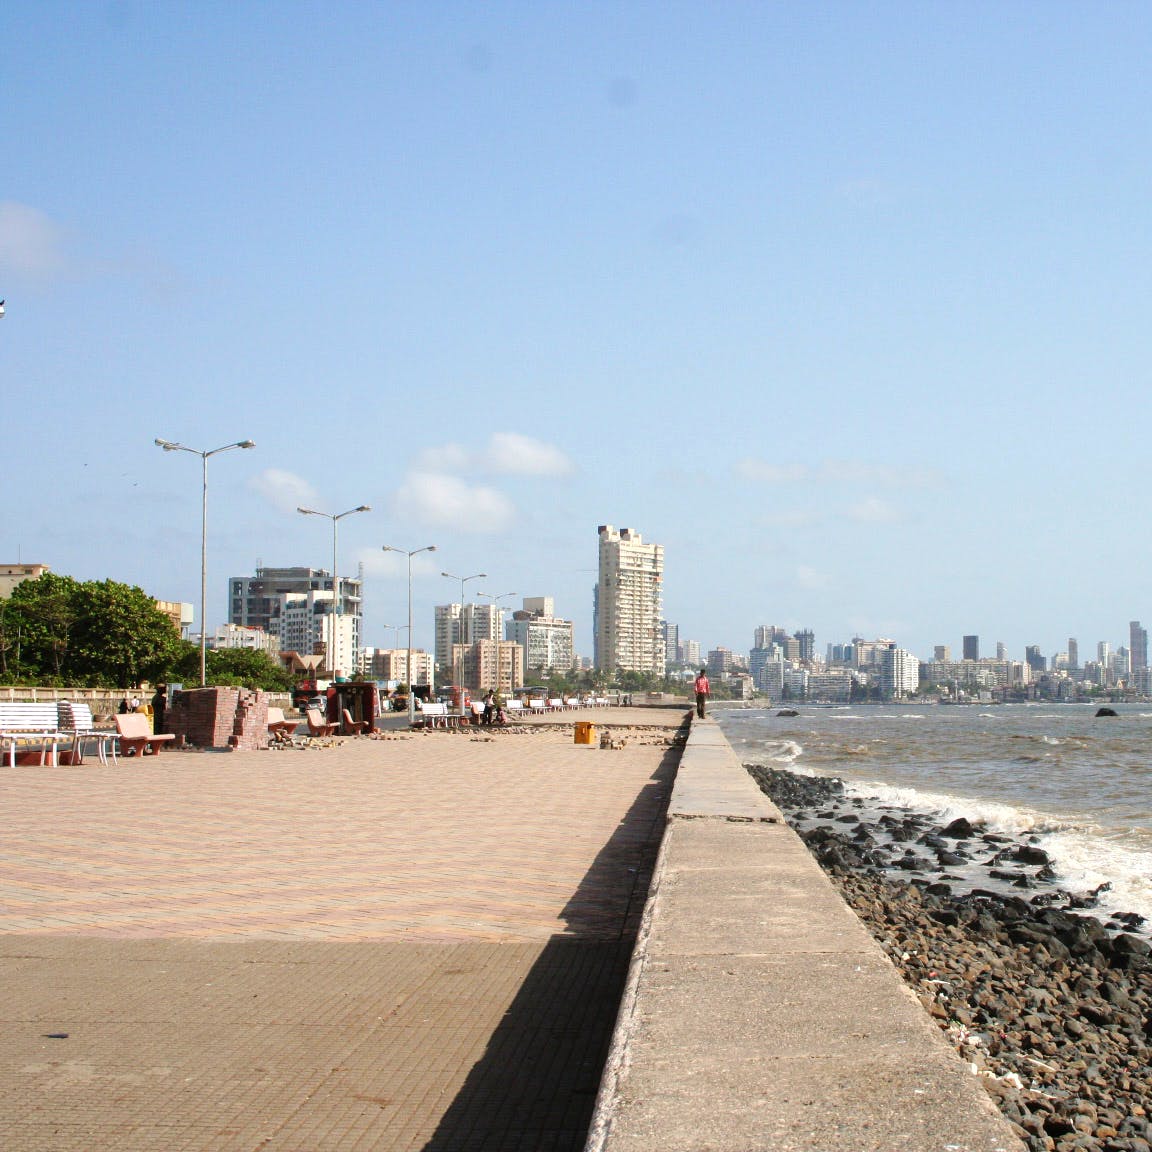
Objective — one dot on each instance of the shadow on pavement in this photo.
(534, 1088)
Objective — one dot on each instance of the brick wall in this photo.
(235, 718)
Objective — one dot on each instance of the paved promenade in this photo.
(412, 943)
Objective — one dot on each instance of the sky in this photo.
(846, 305)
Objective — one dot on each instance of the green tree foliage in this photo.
(230, 667)
(57, 630)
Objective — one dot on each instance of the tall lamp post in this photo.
(460, 679)
(172, 446)
(335, 517)
(495, 602)
(411, 685)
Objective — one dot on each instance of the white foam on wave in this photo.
(1083, 857)
(781, 751)
(1005, 818)
(1084, 862)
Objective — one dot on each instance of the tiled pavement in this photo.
(414, 943)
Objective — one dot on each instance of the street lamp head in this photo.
(246, 444)
(363, 508)
(307, 512)
(168, 445)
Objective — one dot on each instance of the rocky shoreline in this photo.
(1049, 1005)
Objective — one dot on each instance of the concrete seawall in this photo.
(759, 1013)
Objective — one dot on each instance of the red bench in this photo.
(136, 734)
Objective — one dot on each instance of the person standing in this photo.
(159, 707)
(701, 690)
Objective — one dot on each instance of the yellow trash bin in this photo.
(585, 732)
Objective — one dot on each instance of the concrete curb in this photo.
(759, 1013)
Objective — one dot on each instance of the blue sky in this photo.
(846, 305)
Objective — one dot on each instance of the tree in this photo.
(96, 633)
(229, 667)
(41, 614)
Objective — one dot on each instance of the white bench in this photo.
(75, 720)
(438, 716)
(555, 704)
(538, 706)
(30, 724)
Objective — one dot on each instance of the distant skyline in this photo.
(846, 306)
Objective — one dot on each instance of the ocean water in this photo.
(1081, 783)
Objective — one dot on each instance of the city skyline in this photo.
(844, 307)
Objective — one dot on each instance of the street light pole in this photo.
(495, 604)
(411, 685)
(460, 680)
(172, 446)
(336, 605)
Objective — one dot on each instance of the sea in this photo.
(1081, 784)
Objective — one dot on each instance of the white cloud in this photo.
(872, 511)
(788, 518)
(442, 501)
(506, 454)
(377, 562)
(30, 243)
(284, 490)
(511, 454)
(832, 472)
(447, 458)
(766, 472)
(811, 578)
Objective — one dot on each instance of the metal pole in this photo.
(173, 446)
(460, 667)
(411, 684)
(204, 573)
(411, 681)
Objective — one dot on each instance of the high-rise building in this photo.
(721, 663)
(1033, 658)
(942, 653)
(492, 664)
(1103, 652)
(1138, 645)
(463, 624)
(671, 633)
(1073, 654)
(971, 647)
(690, 653)
(305, 623)
(1001, 650)
(257, 602)
(628, 602)
(768, 634)
(899, 672)
(547, 641)
(806, 638)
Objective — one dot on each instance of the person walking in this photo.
(701, 689)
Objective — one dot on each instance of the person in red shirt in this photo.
(701, 690)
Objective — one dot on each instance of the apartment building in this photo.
(628, 602)
(547, 641)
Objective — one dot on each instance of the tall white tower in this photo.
(628, 603)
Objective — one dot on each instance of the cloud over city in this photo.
(438, 500)
(285, 491)
(505, 454)
(452, 486)
(834, 472)
(31, 244)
